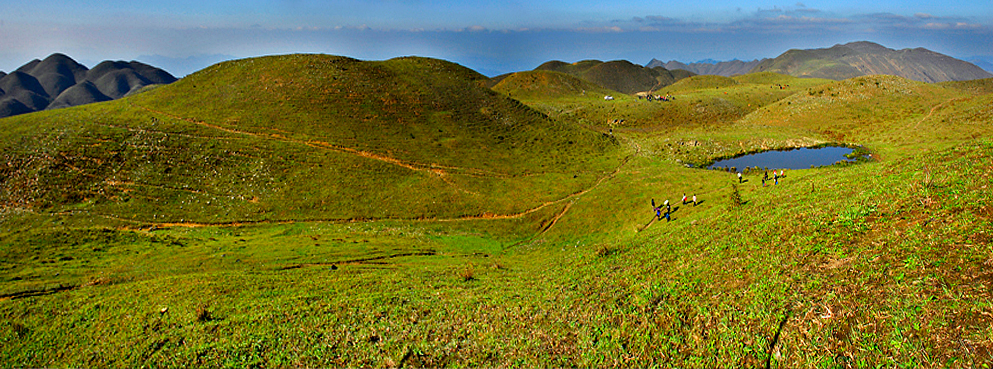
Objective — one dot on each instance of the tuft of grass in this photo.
(604, 250)
(20, 330)
(203, 314)
(734, 198)
(467, 273)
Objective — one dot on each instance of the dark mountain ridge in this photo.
(845, 61)
(709, 66)
(866, 58)
(51, 83)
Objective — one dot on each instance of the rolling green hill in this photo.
(618, 75)
(300, 137)
(316, 211)
(539, 84)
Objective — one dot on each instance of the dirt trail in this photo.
(437, 170)
(434, 169)
(40, 292)
(358, 261)
(144, 224)
(931, 112)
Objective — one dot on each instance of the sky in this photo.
(492, 37)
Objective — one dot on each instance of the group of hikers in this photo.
(659, 214)
(765, 176)
(668, 208)
(651, 97)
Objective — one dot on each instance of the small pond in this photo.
(802, 158)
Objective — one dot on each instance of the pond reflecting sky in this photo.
(793, 159)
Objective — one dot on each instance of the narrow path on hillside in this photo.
(435, 169)
(358, 261)
(144, 224)
(931, 112)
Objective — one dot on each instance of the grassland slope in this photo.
(976, 86)
(300, 137)
(618, 75)
(879, 264)
(548, 84)
(882, 110)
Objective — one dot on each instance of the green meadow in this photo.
(320, 211)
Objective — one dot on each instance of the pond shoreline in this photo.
(859, 153)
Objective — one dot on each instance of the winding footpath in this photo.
(434, 169)
(439, 171)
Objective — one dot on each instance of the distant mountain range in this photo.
(846, 61)
(983, 62)
(58, 81)
(709, 67)
(864, 58)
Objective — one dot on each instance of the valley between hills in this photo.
(322, 211)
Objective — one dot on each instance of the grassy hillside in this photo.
(976, 86)
(539, 84)
(883, 110)
(546, 256)
(824, 63)
(618, 75)
(301, 137)
(692, 126)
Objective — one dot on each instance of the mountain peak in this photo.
(38, 84)
(864, 58)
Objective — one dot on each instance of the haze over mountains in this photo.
(724, 68)
(846, 61)
(58, 81)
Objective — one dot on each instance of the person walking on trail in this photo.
(694, 200)
(658, 213)
(668, 208)
(667, 217)
(684, 198)
(653, 203)
(739, 177)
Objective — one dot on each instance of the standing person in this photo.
(739, 177)
(775, 176)
(653, 203)
(668, 208)
(763, 182)
(667, 217)
(684, 198)
(694, 200)
(658, 213)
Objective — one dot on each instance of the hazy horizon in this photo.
(490, 37)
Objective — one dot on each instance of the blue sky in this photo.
(490, 36)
